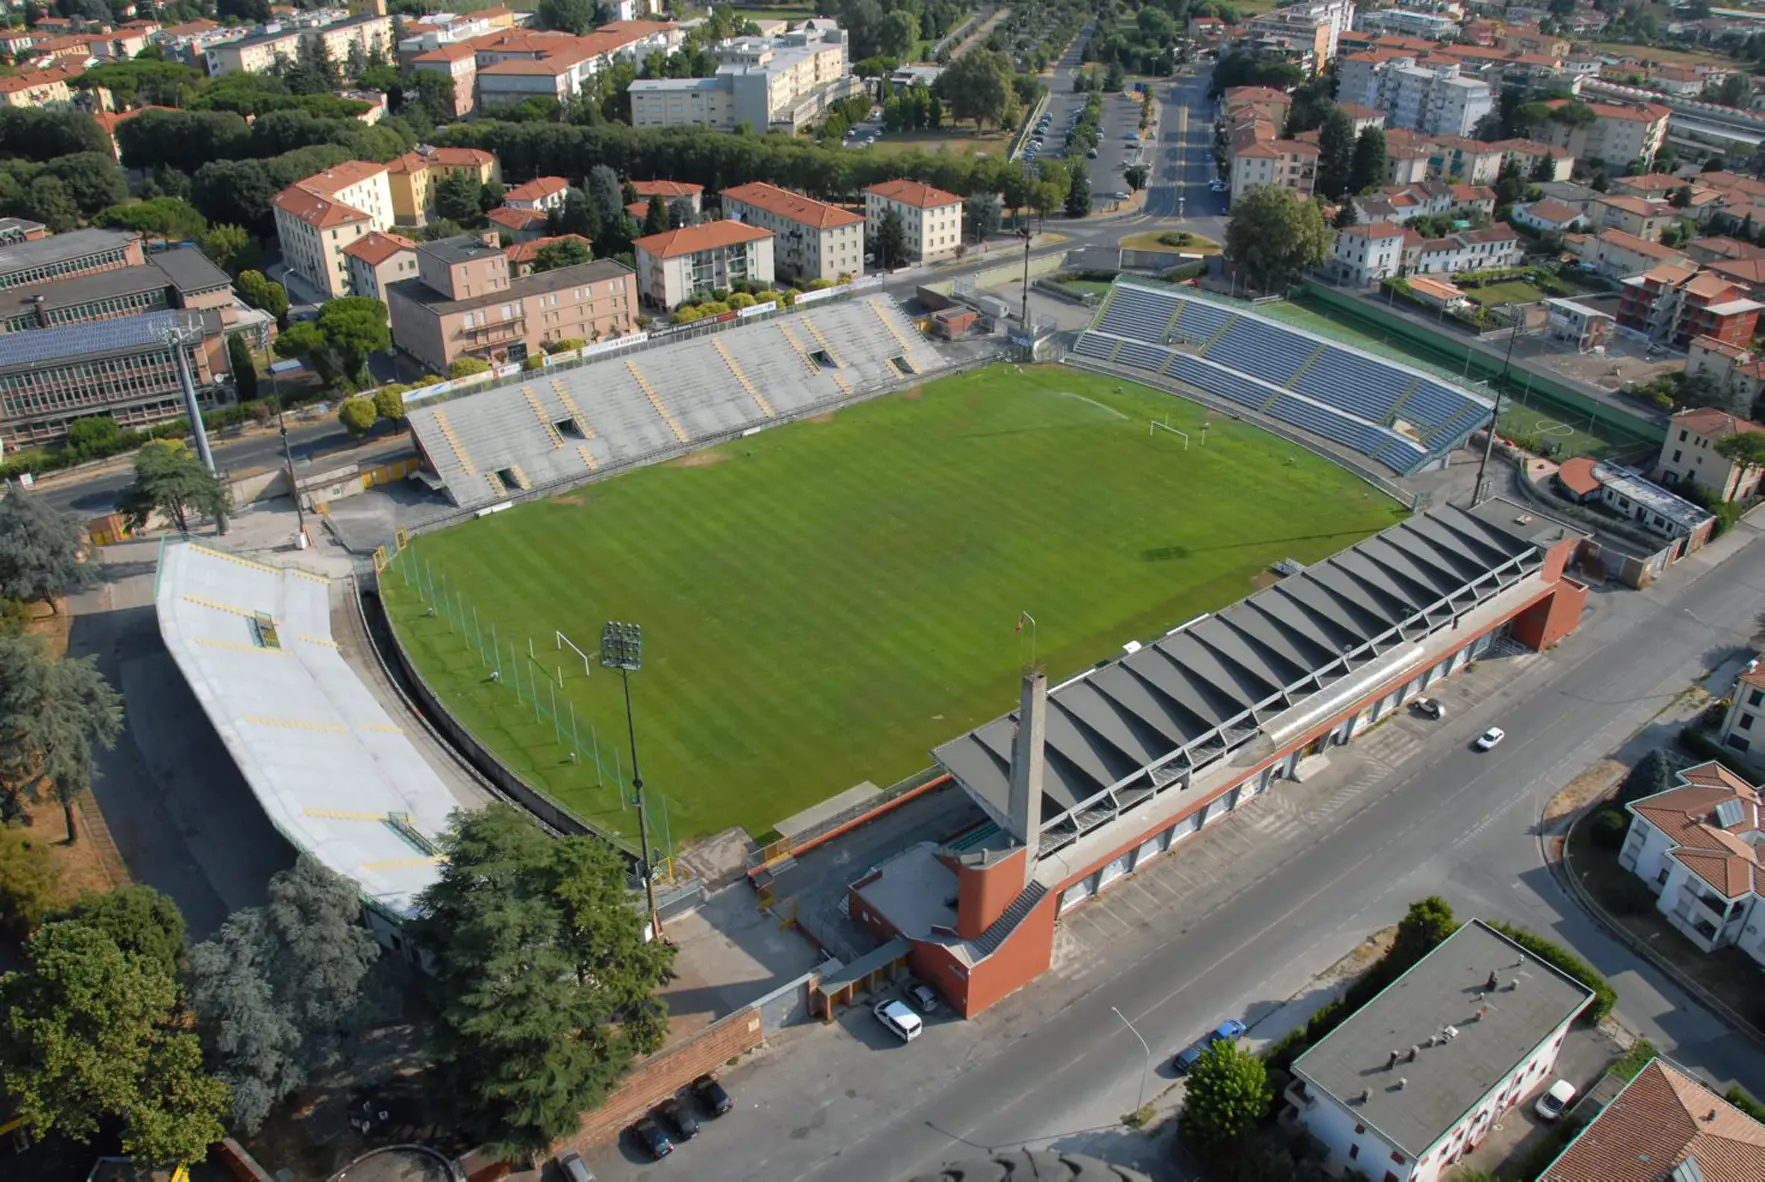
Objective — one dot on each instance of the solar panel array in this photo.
(1384, 410)
(552, 427)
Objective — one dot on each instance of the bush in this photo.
(742, 299)
(1280, 1055)
(1608, 829)
(687, 315)
(1175, 238)
(564, 346)
(95, 436)
(1604, 996)
(1634, 1060)
(357, 415)
(536, 361)
(1739, 1097)
(389, 402)
(465, 367)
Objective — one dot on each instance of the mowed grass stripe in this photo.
(824, 602)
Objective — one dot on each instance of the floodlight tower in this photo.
(180, 336)
(622, 649)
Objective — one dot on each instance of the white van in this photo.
(902, 1022)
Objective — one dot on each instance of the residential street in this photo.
(1243, 917)
(1184, 159)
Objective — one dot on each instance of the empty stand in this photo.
(1250, 346)
(552, 427)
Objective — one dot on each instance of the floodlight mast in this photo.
(622, 649)
(180, 336)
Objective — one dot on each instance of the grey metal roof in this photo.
(81, 289)
(1208, 686)
(189, 269)
(72, 245)
(1490, 1034)
(100, 338)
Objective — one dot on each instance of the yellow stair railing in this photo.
(655, 401)
(570, 405)
(453, 441)
(545, 421)
(808, 362)
(742, 379)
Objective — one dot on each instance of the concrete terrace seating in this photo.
(648, 402)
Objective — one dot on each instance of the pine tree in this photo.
(1367, 169)
(1335, 154)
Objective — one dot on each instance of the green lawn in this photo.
(1511, 291)
(825, 602)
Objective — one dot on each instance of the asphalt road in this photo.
(1053, 1065)
(1185, 160)
(1121, 120)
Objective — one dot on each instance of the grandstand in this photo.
(1401, 417)
(553, 427)
(336, 775)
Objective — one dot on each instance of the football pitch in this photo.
(824, 602)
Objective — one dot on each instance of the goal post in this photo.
(1153, 427)
(563, 641)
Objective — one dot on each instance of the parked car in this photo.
(573, 1168)
(679, 1117)
(1489, 738)
(1229, 1030)
(902, 1022)
(1091, 155)
(923, 998)
(712, 1095)
(1551, 1104)
(655, 1142)
(1428, 708)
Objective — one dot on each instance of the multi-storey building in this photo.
(1416, 1078)
(782, 83)
(1664, 1123)
(1433, 99)
(40, 88)
(464, 302)
(1367, 252)
(169, 279)
(259, 53)
(1616, 254)
(1634, 215)
(811, 239)
(933, 217)
(459, 63)
(1620, 133)
(1689, 454)
(377, 261)
(679, 265)
(413, 177)
(1310, 32)
(319, 216)
(39, 259)
(523, 256)
(1677, 304)
(1257, 159)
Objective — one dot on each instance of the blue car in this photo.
(1229, 1030)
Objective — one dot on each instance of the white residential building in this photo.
(812, 239)
(1364, 254)
(319, 216)
(779, 83)
(678, 265)
(1697, 845)
(293, 40)
(933, 218)
(1432, 99)
(1416, 1078)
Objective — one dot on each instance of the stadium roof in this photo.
(335, 774)
(1209, 687)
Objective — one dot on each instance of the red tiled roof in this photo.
(1576, 475)
(447, 53)
(1373, 230)
(374, 249)
(442, 158)
(1714, 424)
(1687, 816)
(526, 252)
(514, 217)
(1642, 246)
(109, 120)
(1728, 248)
(1742, 270)
(340, 176)
(914, 193)
(537, 189)
(1662, 1119)
(792, 206)
(1553, 211)
(316, 209)
(667, 190)
(692, 239)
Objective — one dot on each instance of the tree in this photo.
(1078, 192)
(977, 86)
(338, 343)
(29, 882)
(1336, 145)
(570, 16)
(567, 251)
(243, 367)
(980, 213)
(1544, 168)
(1346, 216)
(1366, 171)
(1137, 174)
(389, 403)
(891, 241)
(1276, 235)
(231, 249)
(41, 550)
(545, 989)
(165, 218)
(655, 220)
(173, 483)
(357, 415)
(1227, 1093)
(1746, 448)
(1427, 923)
(143, 922)
(681, 213)
(263, 294)
(51, 713)
(607, 199)
(456, 198)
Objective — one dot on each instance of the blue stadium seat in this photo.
(1138, 313)
(1200, 320)
(1267, 352)
(1358, 384)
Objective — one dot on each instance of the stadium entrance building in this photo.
(1089, 781)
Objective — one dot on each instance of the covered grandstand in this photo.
(336, 775)
(549, 428)
(1402, 417)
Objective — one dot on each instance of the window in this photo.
(1756, 698)
(1354, 1151)
(1360, 1129)
(1676, 455)
(1746, 722)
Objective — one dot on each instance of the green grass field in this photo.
(825, 602)
(1511, 291)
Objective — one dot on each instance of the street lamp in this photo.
(277, 369)
(622, 649)
(1481, 492)
(1026, 234)
(1147, 1069)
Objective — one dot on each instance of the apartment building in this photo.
(1665, 1119)
(678, 265)
(259, 53)
(1548, 216)
(1416, 1078)
(1404, 203)
(458, 62)
(1525, 155)
(1367, 252)
(1620, 133)
(1640, 216)
(47, 87)
(1616, 254)
(811, 239)
(1433, 99)
(933, 217)
(1689, 455)
(543, 193)
(1318, 26)
(319, 216)
(377, 260)
(1362, 255)
(1677, 304)
(781, 83)
(413, 177)
(1427, 26)
(463, 302)
(1258, 159)
(669, 192)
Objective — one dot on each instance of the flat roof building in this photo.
(62, 256)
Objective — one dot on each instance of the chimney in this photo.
(1489, 985)
(1026, 767)
(1391, 1062)
(1414, 1049)
(1403, 1083)
(1366, 1095)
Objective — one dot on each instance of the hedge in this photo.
(1604, 996)
(1739, 1097)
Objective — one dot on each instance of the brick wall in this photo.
(230, 1154)
(661, 1075)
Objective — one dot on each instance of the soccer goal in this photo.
(565, 641)
(1156, 424)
